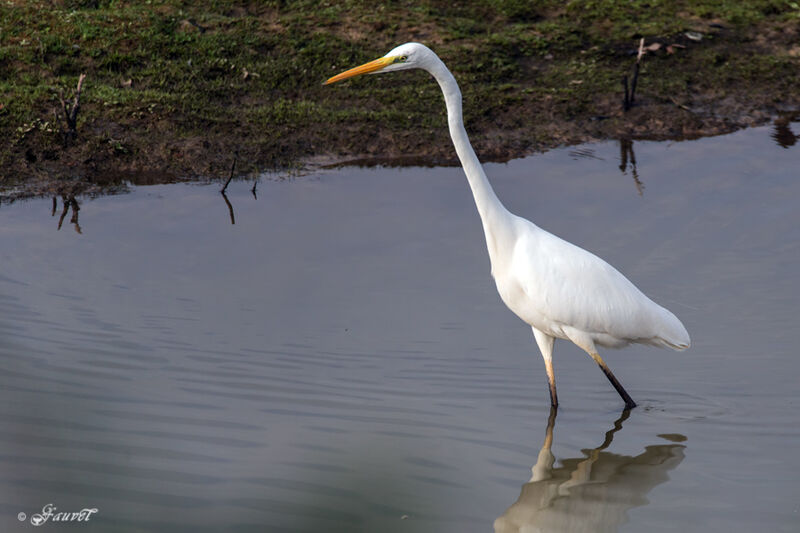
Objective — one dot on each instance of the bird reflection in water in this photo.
(590, 493)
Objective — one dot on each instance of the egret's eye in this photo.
(401, 59)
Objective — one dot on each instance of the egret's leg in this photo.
(629, 403)
(551, 378)
(545, 343)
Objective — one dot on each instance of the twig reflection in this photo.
(783, 134)
(230, 207)
(69, 202)
(74, 219)
(228, 202)
(63, 213)
(626, 157)
(590, 493)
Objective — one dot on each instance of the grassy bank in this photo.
(177, 87)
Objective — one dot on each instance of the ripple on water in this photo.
(678, 405)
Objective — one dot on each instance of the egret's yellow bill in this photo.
(366, 68)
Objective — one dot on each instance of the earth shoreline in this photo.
(185, 92)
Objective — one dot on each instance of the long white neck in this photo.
(485, 198)
(494, 215)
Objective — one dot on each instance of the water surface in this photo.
(339, 360)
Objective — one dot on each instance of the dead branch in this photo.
(629, 97)
(636, 70)
(70, 110)
(230, 176)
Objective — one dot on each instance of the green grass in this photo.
(250, 73)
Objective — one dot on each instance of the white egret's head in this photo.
(404, 57)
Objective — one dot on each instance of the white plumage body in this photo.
(569, 293)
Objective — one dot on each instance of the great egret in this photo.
(562, 291)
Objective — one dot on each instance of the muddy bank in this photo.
(179, 92)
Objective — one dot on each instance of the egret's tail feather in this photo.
(673, 334)
(679, 347)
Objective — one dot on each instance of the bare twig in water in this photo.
(70, 110)
(230, 176)
(253, 190)
(55, 204)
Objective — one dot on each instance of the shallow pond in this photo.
(338, 359)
